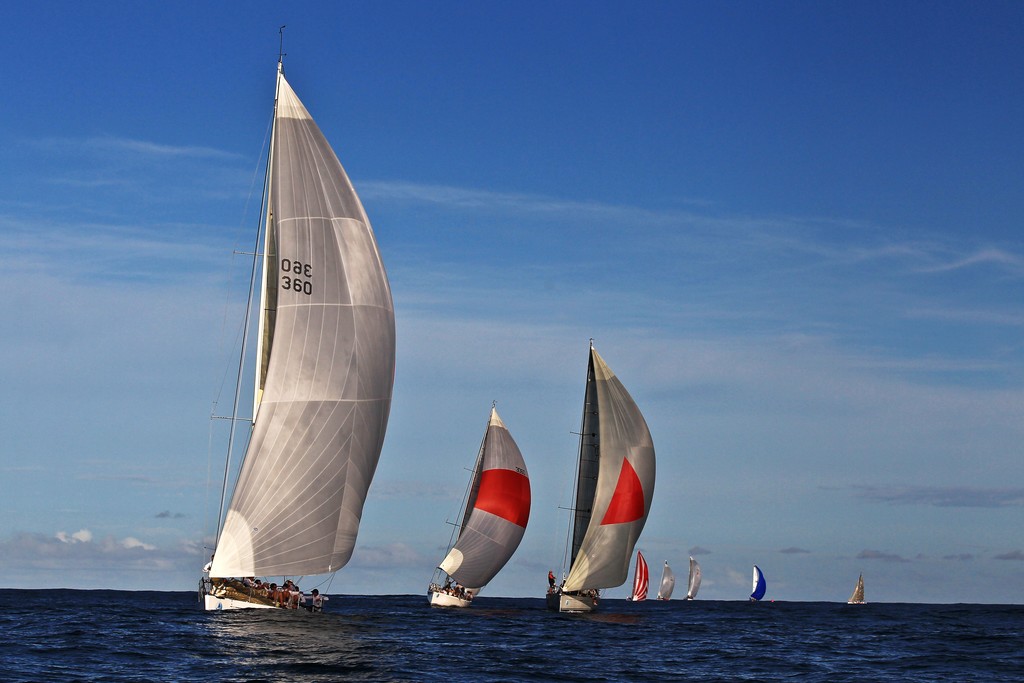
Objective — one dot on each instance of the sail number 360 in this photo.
(296, 276)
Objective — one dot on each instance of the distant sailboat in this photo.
(694, 584)
(668, 583)
(641, 579)
(325, 367)
(759, 585)
(858, 593)
(494, 519)
(613, 492)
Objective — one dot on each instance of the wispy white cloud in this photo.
(983, 316)
(386, 556)
(793, 550)
(80, 536)
(132, 542)
(407, 490)
(133, 146)
(982, 257)
(25, 552)
(952, 496)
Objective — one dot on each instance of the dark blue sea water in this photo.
(66, 635)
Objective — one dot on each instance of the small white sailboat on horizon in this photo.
(693, 585)
(759, 585)
(857, 598)
(495, 511)
(668, 583)
(641, 579)
(612, 494)
(324, 372)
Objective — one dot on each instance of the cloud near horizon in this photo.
(951, 496)
(389, 555)
(27, 551)
(879, 555)
(1012, 555)
(793, 550)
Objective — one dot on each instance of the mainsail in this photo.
(694, 583)
(668, 583)
(325, 369)
(858, 592)
(759, 585)
(615, 482)
(497, 510)
(641, 579)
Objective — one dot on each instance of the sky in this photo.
(793, 230)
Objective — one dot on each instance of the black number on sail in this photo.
(299, 285)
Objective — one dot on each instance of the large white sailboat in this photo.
(613, 491)
(494, 517)
(324, 372)
(693, 585)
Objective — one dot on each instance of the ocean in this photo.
(72, 635)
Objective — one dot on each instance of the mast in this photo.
(268, 291)
(259, 262)
(588, 462)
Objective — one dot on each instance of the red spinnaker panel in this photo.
(628, 500)
(506, 493)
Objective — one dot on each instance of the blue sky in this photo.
(792, 229)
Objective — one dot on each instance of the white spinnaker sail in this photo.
(329, 344)
(668, 583)
(615, 484)
(694, 583)
(496, 513)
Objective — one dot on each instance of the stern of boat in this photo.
(572, 602)
(438, 597)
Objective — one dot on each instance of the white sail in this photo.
(496, 512)
(694, 583)
(615, 482)
(668, 583)
(858, 592)
(326, 367)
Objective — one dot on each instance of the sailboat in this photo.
(668, 583)
(494, 518)
(641, 579)
(759, 586)
(694, 583)
(325, 363)
(858, 593)
(613, 491)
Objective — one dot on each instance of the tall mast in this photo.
(259, 255)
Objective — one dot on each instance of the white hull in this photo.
(212, 602)
(569, 602)
(440, 599)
